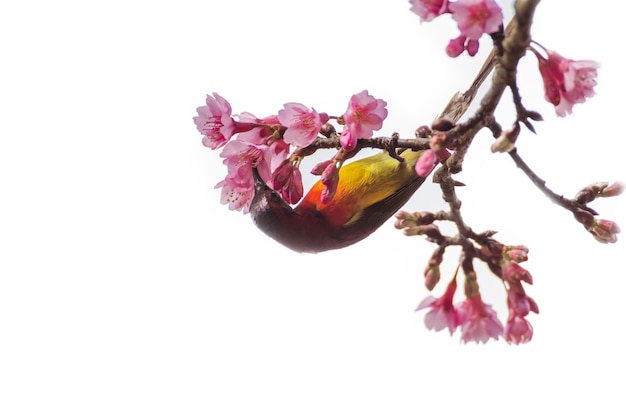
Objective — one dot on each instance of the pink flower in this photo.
(427, 10)
(215, 121)
(426, 162)
(364, 115)
(303, 125)
(476, 17)
(479, 321)
(287, 180)
(442, 312)
(567, 82)
(240, 157)
(237, 196)
(518, 330)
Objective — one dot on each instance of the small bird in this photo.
(369, 192)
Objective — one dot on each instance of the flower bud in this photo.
(605, 231)
(318, 169)
(471, 46)
(405, 219)
(518, 253)
(442, 124)
(426, 163)
(328, 130)
(330, 179)
(432, 275)
(347, 140)
(440, 140)
(513, 272)
(424, 217)
(423, 132)
(456, 46)
(590, 192)
(506, 142)
(612, 190)
(282, 175)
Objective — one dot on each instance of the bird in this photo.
(369, 191)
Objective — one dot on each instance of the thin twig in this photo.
(566, 203)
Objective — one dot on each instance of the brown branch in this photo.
(381, 142)
(566, 203)
(505, 57)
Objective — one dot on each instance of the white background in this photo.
(128, 292)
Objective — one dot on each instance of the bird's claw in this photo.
(391, 146)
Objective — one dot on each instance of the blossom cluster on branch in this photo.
(265, 144)
(270, 149)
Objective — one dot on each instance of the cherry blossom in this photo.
(518, 330)
(566, 82)
(443, 313)
(237, 196)
(476, 17)
(214, 121)
(364, 115)
(479, 320)
(303, 125)
(427, 10)
(240, 157)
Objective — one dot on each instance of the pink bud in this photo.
(605, 231)
(441, 140)
(426, 163)
(612, 190)
(282, 175)
(347, 140)
(330, 179)
(471, 47)
(318, 169)
(432, 276)
(456, 46)
(517, 253)
(293, 191)
(513, 272)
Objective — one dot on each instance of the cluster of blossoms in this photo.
(265, 145)
(476, 320)
(566, 82)
(249, 142)
(473, 17)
